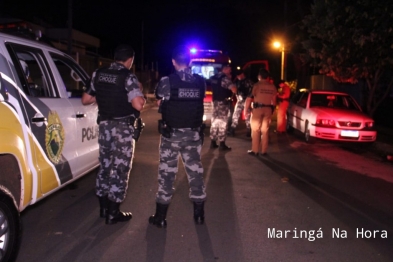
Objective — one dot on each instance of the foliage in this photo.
(352, 40)
(292, 85)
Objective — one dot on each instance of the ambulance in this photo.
(207, 63)
(48, 139)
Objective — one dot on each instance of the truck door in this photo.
(49, 117)
(74, 80)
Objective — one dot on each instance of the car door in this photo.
(72, 80)
(48, 116)
(296, 110)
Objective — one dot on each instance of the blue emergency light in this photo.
(193, 50)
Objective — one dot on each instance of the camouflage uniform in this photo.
(185, 142)
(244, 88)
(220, 115)
(116, 146)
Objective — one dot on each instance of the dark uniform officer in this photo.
(223, 88)
(244, 86)
(263, 95)
(180, 97)
(118, 95)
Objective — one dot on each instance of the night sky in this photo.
(244, 29)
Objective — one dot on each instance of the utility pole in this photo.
(69, 49)
(142, 48)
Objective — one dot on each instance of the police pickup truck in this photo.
(48, 138)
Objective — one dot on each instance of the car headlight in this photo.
(325, 122)
(369, 124)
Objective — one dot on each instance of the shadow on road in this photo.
(347, 206)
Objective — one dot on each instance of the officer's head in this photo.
(226, 69)
(125, 55)
(281, 83)
(181, 56)
(263, 74)
(240, 74)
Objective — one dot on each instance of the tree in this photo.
(353, 41)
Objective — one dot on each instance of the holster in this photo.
(164, 129)
(138, 128)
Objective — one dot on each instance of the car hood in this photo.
(341, 114)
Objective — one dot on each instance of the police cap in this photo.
(123, 52)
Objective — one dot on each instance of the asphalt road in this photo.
(332, 195)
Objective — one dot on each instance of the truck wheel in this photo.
(9, 229)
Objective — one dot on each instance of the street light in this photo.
(278, 45)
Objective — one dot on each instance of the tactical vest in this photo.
(219, 93)
(184, 109)
(111, 94)
(242, 88)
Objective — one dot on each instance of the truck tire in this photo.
(10, 229)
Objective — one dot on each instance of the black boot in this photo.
(114, 215)
(159, 218)
(223, 146)
(213, 144)
(199, 213)
(103, 206)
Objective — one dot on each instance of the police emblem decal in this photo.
(54, 137)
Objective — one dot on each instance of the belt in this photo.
(128, 119)
(258, 105)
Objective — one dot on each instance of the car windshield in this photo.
(337, 101)
(205, 70)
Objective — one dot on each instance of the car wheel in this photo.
(307, 137)
(9, 229)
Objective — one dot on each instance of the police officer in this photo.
(223, 88)
(180, 97)
(283, 103)
(244, 86)
(120, 100)
(263, 95)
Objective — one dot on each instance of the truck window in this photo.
(32, 71)
(74, 79)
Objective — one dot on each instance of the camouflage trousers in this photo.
(237, 113)
(187, 144)
(116, 154)
(219, 121)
